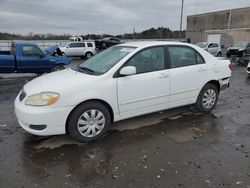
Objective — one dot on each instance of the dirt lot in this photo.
(175, 148)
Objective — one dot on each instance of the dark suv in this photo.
(239, 49)
(107, 42)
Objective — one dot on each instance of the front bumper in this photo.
(31, 118)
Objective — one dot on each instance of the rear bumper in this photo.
(224, 83)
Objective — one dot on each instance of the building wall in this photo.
(233, 25)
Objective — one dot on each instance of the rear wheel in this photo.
(219, 54)
(207, 98)
(88, 55)
(89, 122)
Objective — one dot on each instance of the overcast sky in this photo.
(101, 16)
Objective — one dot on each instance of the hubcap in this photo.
(91, 123)
(209, 98)
(89, 55)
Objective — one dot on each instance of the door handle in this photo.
(201, 69)
(163, 75)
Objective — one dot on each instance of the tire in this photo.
(83, 125)
(207, 98)
(104, 45)
(88, 55)
(63, 54)
(58, 67)
(219, 54)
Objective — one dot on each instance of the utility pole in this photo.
(134, 32)
(180, 36)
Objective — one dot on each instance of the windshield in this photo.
(202, 44)
(104, 61)
(240, 45)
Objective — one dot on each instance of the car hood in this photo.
(50, 50)
(60, 82)
(235, 48)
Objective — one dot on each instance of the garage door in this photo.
(213, 38)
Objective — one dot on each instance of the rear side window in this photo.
(89, 44)
(181, 56)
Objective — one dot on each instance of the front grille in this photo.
(22, 95)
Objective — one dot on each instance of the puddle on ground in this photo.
(56, 142)
(179, 125)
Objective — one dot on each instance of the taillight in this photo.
(230, 66)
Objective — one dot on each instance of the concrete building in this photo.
(227, 27)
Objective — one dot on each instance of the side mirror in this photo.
(129, 70)
(67, 46)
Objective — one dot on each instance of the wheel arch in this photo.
(106, 104)
(214, 82)
(88, 52)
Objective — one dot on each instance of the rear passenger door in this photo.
(188, 74)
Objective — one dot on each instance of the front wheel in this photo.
(89, 122)
(207, 98)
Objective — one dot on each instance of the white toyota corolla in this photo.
(123, 81)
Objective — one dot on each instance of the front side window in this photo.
(148, 60)
(181, 56)
(104, 61)
(31, 51)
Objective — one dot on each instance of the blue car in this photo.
(27, 57)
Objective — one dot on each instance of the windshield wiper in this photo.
(87, 70)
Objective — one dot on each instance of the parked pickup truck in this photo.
(27, 57)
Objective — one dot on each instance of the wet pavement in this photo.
(174, 148)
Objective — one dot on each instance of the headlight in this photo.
(241, 49)
(42, 99)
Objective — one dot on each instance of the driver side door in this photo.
(33, 60)
(148, 90)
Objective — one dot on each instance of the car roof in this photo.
(143, 44)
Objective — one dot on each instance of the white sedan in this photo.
(121, 82)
